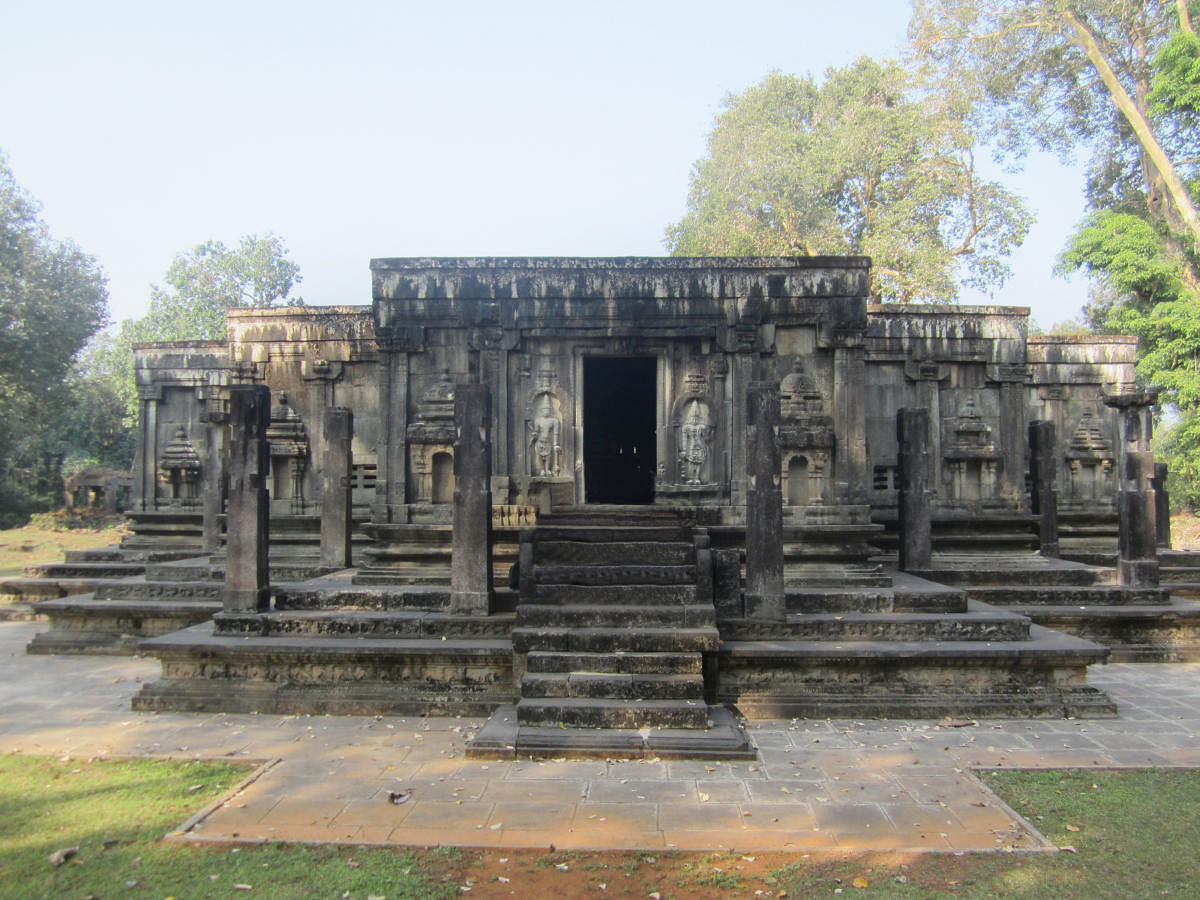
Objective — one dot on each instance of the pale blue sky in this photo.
(366, 129)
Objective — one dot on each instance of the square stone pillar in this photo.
(1162, 505)
(247, 576)
(764, 597)
(1043, 466)
(914, 524)
(471, 551)
(214, 479)
(336, 475)
(1137, 538)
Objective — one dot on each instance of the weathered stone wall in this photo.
(966, 365)
(175, 379)
(315, 357)
(1069, 378)
(525, 328)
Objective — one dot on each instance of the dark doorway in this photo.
(618, 429)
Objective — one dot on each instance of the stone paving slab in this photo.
(817, 785)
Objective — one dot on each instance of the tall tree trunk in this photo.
(1080, 35)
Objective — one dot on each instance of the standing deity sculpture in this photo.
(545, 439)
(694, 437)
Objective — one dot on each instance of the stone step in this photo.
(322, 675)
(611, 640)
(605, 534)
(1178, 559)
(581, 615)
(1027, 570)
(633, 663)
(612, 686)
(344, 597)
(1042, 676)
(197, 569)
(96, 554)
(1066, 595)
(824, 600)
(86, 624)
(613, 553)
(429, 573)
(979, 625)
(139, 589)
(618, 594)
(590, 712)
(501, 737)
(914, 594)
(613, 515)
(104, 569)
(397, 624)
(613, 575)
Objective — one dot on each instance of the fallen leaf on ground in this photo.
(398, 797)
(1072, 828)
(58, 857)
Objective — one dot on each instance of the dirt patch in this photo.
(525, 873)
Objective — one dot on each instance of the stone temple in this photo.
(615, 503)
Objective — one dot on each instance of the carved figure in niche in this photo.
(694, 437)
(545, 439)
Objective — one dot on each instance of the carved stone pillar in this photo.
(471, 551)
(247, 575)
(216, 420)
(1137, 537)
(146, 461)
(336, 522)
(764, 597)
(913, 474)
(392, 462)
(1162, 506)
(1043, 465)
(1012, 380)
(850, 419)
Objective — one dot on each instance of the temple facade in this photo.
(623, 381)
(613, 503)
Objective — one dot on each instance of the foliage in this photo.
(1121, 78)
(852, 165)
(210, 278)
(52, 299)
(1178, 443)
(200, 285)
(1066, 74)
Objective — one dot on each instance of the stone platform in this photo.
(842, 785)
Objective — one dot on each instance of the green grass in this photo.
(116, 813)
(1137, 836)
(50, 535)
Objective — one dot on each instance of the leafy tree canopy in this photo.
(852, 165)
(210, 278)
(53, 297)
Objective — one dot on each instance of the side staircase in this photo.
(615, 631)
(1150, 624)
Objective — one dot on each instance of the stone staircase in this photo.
(1147, 624)
(615, 621)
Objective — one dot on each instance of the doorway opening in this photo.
(619, 453)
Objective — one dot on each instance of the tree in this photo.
(1121, 78)
(1061, 74)
(204, 282)
(853, 165)
(53, 297)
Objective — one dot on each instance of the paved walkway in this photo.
(818, 785)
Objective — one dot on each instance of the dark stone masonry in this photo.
(613, 503)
